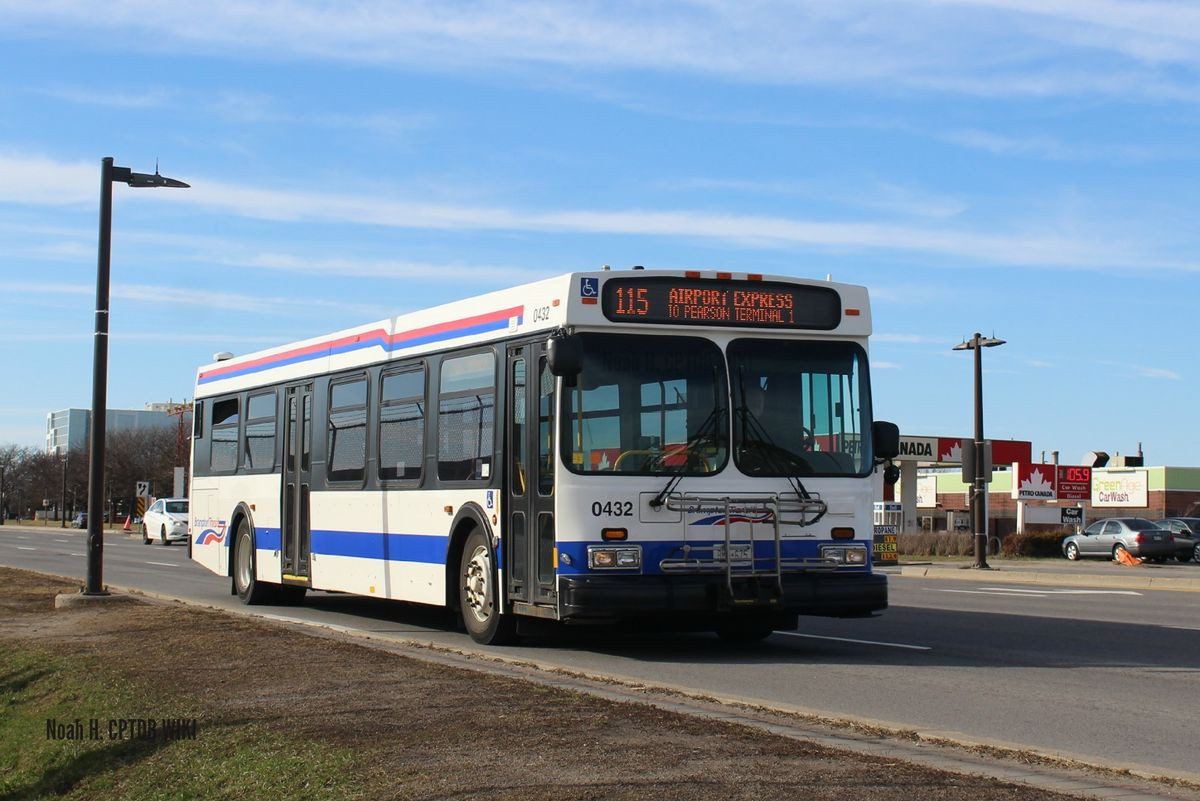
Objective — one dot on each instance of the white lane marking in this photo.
(163, 564)
(1185, 628)
(74, 554)
(23, 548)
(860, 642)
(1030, 594)
(58, 540)
(1055, 591)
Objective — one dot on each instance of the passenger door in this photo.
(297, 473)
(1089, 543)
(530, 559)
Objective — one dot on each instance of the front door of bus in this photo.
(529, 545)
(297, 469)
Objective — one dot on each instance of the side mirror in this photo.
(886, 438)
(564, 354)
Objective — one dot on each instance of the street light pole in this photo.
(62, 506)
(979, 486)
(95, 501)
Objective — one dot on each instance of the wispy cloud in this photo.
(38, 180)
(1052, 148)
(182, 296)
(1143, 370)
(92, 96)
(1027, 47)
(909, 339)
(882, 196)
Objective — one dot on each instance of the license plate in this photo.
(737, 553)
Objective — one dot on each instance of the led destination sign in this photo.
(747, 304)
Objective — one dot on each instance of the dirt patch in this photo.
(427, 731)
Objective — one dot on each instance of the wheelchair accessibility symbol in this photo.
(589, 287)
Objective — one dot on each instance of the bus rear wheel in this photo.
(248, 588)
(478, 594)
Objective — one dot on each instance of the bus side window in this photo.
(466, 417)
(224, 453)
(347, 452)
(402, 424)
(198, 420)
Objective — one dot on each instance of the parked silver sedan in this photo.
(1187, 536)
(1142, 538)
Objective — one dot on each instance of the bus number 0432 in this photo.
(612, 509)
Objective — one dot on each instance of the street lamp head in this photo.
(978, 341)
(142, 180)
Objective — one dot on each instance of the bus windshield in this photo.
(647, 406)
(800, 408)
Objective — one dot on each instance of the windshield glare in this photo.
(177, 507)
(647, 406)
(800, 408)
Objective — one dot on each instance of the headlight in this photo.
(604, 557)
(845, 554)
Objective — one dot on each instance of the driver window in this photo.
(1093, 529)
(1112, 527)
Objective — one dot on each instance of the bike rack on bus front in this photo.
(798, 511)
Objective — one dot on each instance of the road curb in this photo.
(1003, 576)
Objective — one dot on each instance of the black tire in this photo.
(145, 535)
(248, 588)
(478, 597)
(743, 629)
(1117, 551)
(1072, 551)
(189, 544)
(164, 536)
(1196, 553)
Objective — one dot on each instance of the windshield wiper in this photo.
(707, 430)
(769, 451)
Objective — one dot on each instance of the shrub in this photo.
(1034, 543)
(935, 543)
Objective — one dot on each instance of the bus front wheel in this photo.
(478, 595)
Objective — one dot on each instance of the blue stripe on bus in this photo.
(365, 545)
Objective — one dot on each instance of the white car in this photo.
(166, 520)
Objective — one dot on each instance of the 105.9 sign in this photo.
(1074, 483)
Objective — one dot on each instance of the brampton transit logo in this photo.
(210, 531)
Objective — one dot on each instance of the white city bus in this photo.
(690, 447)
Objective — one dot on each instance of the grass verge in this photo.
(85, 757)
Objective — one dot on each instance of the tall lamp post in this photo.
(978, 498)
(95, 502)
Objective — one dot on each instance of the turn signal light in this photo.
(614, 534)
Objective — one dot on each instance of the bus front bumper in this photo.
(608, 597)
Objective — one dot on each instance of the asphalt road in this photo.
(1109, 676)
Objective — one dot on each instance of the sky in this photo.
(1028, 169)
